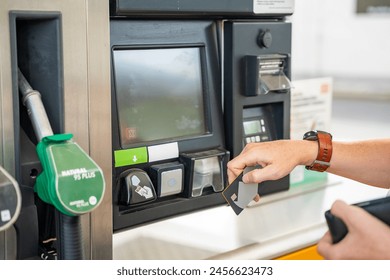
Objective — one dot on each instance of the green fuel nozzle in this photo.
(70, 180)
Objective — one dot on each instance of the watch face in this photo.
(310, 135)
(313, 134)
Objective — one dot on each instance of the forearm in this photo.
(364, 161)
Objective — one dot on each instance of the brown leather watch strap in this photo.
(324, 155)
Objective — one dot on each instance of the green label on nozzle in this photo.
(70, 180)
(79, 180)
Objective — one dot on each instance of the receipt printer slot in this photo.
(266, 73)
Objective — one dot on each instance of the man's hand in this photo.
(277, 159)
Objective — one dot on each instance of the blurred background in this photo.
(348, 41)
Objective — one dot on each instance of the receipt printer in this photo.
(266, 73)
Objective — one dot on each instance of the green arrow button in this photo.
(130, 156)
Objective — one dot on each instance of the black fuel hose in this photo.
(70, 241)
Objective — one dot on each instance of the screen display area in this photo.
(159, 94)
(252, 127)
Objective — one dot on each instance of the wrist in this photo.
(308, 151)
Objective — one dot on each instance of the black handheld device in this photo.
(380, 208)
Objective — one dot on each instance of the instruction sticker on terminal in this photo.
(273, 6)
(238, 195)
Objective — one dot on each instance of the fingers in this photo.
(247, 157)
(340, 209)
(277, 158)
(258, 175)
(234, 168)
(269, 172)
(254, 176)
(231, 175)
(350, 214)
(256, 198)
(324, 246)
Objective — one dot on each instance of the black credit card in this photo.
(238, 195)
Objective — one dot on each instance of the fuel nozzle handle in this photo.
(32, 100)
(70, 179)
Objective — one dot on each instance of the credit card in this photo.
(238, 195)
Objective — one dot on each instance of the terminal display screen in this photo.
(159, 94)
(252, 127)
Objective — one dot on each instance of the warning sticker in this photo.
(273, 6)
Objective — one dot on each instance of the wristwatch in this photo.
(324, 140)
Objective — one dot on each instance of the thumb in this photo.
(259, 175)
(340, 209)
(347, 213)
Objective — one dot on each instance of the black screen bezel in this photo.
(175, 33)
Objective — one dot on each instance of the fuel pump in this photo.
(10, 199)
(70, 181)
